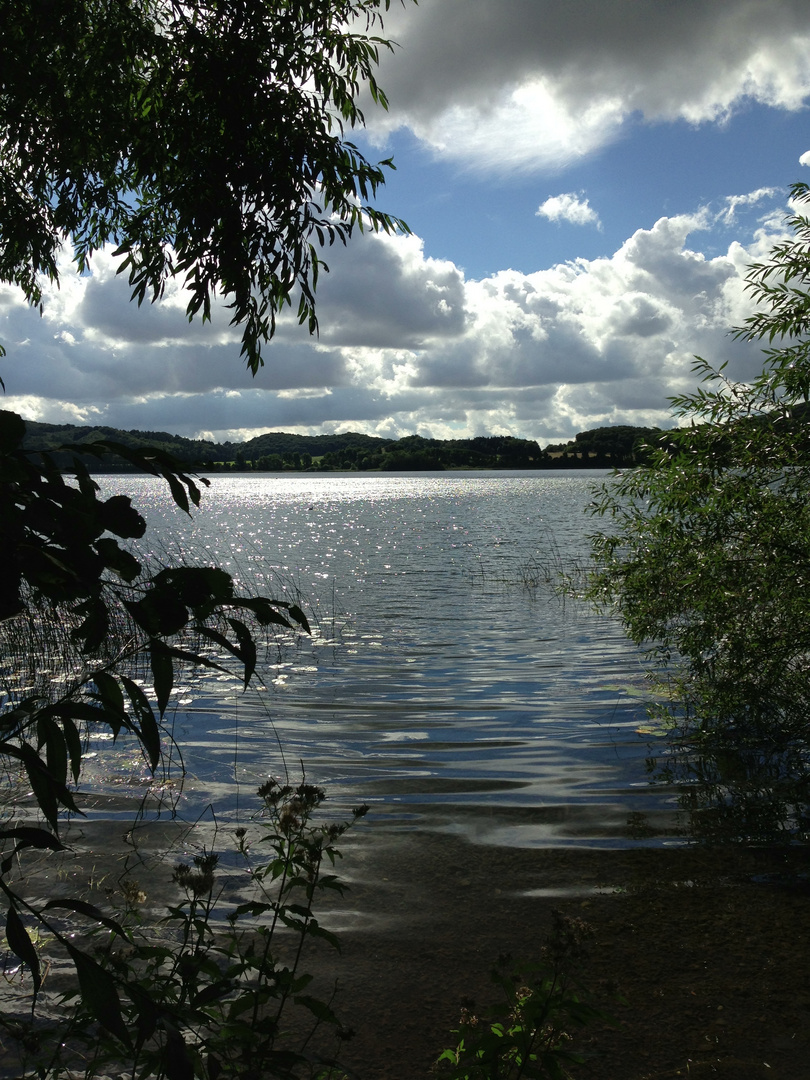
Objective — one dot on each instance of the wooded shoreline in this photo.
(604, 447)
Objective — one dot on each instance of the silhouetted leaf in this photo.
(109, 692)
(297, 614)
(147, 724)
(12, 431)
(27, 836)
(178, 1062)
(266, 611)
(247, 647)
(21, 945)
(196, 586)
(159, 613)
(162, 673)
(74, 746)
(50, 734)
(119, 516)
(118, 559)
(95, 628)
(48, 791)
(99, 994)
(31, 836)
(319, 1009)
(178, 492)
(90, 910)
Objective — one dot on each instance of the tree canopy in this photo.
(707, 555)
(205, 139)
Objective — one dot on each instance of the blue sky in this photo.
(586, 181)
(485, 224)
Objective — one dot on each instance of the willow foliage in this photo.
(205, 139)
(707, 559)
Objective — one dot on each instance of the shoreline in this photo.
(698, 952)
(709, 960)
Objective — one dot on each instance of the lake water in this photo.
(445, 682)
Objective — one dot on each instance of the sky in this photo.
(586, 182)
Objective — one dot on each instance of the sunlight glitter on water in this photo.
(436, 677)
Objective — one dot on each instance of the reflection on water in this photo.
(746, 781)
(444, 680)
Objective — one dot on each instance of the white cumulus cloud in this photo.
(571, 208)
(407, 343)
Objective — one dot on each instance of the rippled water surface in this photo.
(445, 682)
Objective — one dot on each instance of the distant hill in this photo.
(279, 442)
(613, 445)
(279, 451)
(53, 436)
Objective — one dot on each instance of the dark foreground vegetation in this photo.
(604, 447)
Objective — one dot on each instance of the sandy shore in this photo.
(707, 947)
(711, 963)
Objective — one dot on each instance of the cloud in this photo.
(382, 291)
(571, 208)
(805, 158)
(552, 82)
(407, 344)
(734, 202)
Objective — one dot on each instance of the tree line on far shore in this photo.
(603, 447)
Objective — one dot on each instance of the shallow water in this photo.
(445, 683)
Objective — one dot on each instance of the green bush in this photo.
(707, 562)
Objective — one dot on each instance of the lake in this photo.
(446, 684)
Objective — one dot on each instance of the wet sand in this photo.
(712, 964)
